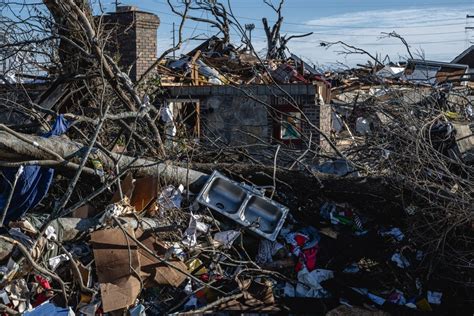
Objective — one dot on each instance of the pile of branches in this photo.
(415, 148)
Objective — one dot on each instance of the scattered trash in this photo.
(226, 238)
(54, 262)
(195, 228)
(222, 181)
(171, 197)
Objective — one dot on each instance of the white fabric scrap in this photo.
(177, 251)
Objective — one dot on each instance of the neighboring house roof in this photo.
(431, 72)
(431, 63)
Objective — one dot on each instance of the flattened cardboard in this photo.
(152, 267)
(145, 191)
(113, 255)
(167, 275)
(120, 294)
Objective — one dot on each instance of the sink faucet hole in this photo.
(220, 205)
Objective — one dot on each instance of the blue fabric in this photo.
(49, 309)
(32, 185)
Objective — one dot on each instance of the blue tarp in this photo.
(49, 309)
(32, 185)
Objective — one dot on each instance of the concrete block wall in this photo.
(236, 113)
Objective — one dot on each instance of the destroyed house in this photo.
(249, 114)
(237, 114)
(434, 72)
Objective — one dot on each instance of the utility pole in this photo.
(117, 3)
(174, 43)
(469, 17)
(468, 28)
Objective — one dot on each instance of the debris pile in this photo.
(225, 249)
(106, 210)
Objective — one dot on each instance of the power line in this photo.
(328, 34)
(420, 25)
(374, 27)
(356, 5)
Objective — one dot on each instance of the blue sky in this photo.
(435, 28)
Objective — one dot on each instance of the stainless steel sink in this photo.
(265, 213)
(243, 204)
(224, 195)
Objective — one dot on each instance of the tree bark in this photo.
(14, 149)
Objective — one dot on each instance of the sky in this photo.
(434, 29)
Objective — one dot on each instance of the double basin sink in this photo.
(243, 204)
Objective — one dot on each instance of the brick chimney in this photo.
(133, 38)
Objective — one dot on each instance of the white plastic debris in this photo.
(194, 229)
(50, 233)
(54, 262)
(171, 197)
(116, 210)
(434, 297)
(226, 238)
(411, 209)
(309, 283)
(400, 260)
(18, 293)
(177, 251)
